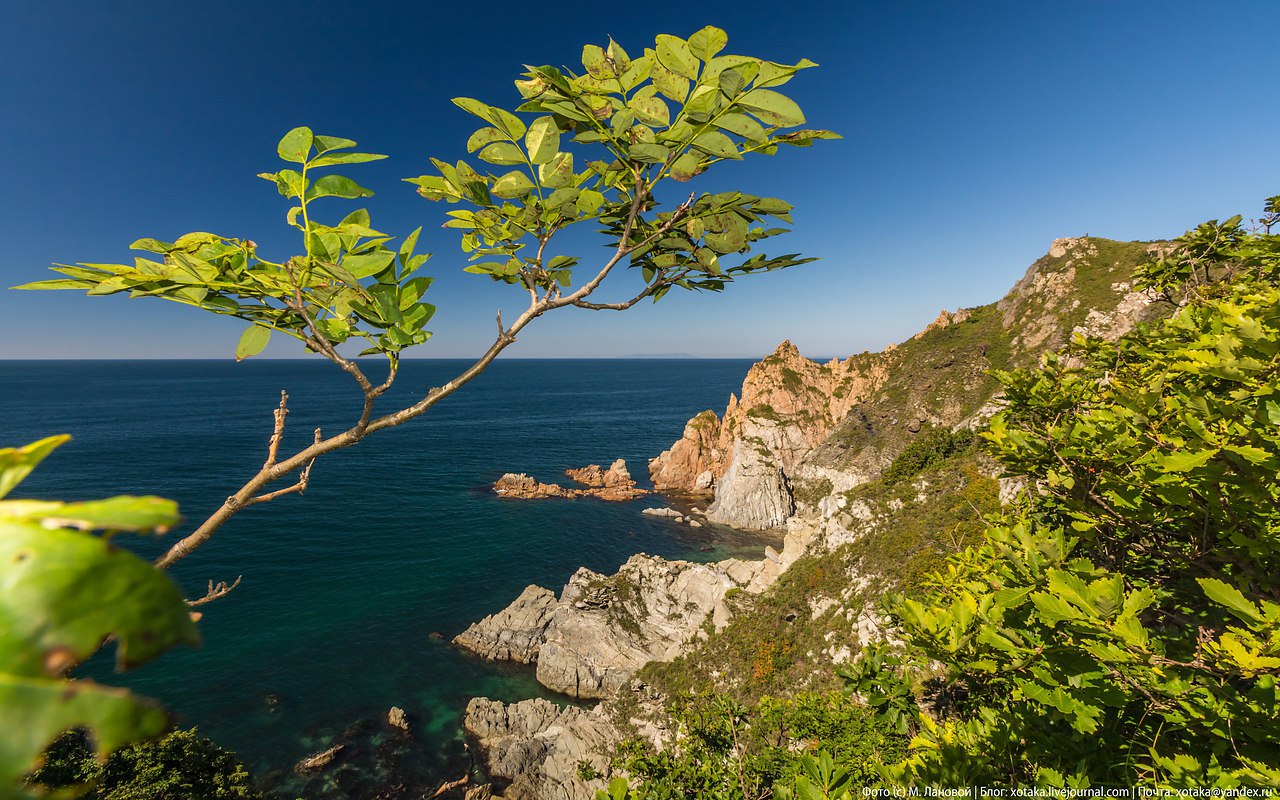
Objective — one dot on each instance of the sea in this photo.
(350, 593)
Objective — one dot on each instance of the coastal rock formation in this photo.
(514, 633)
(803, 432)
(590, 642)
(754, 492)
(319, 760)
(788, 455)
(525, 487)
(788, 405)
(532, 749)
(614, 484)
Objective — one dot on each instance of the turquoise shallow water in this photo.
(396, 540)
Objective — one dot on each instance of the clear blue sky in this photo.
(975, 133)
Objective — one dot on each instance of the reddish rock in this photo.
(613, 484)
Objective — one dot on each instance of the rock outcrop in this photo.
(532, 749)
(514, 633)
(613, 484)
(590, 642)
(788, 404)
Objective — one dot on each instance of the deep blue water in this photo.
(396, 539)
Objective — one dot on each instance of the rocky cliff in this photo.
(807, 447)
(803, 432)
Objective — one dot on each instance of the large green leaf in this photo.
(773, 108)
(252, 341)
(295, 145)
(17, 462)
(337, 186)
(707, 42)
(124, 513)
(63, 592)
(674, 54)
(542, 140)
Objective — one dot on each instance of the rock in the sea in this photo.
(396, 718)
(661, 512)
(615, 483)
(514, 633)
(319, 760)
(532, 749)
(527, 488)
(590, 642)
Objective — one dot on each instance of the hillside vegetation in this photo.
(1116, 624)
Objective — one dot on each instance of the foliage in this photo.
(931, 447)
(1121, 627)
(63, 592)
(180, 764)
(776, 642)
(810, 746)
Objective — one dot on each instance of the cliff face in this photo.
(804, 431)
(788, 405)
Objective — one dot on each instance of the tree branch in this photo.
(249, 494)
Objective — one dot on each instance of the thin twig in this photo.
(221, 589)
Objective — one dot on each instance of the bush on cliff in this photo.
(1121, 626)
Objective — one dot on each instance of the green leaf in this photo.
(674, 54)
(558, 172)
(502, 153)
(617, 56)
(1228, 596)
(1186, 461)
(590, 201)
(685, 167)
(707, 42)
(649, 153)
(512, 185)
(345, 158)
(670, 84)
(295, 145)
(64, 592)
(366, 264)
(326, 143)
(717, 144)
(593, 60)
(542, 140)
(252, 341)
(649, 108)
(16, 463)
(337, 186)
(772, 108)
(484, 136)
(124, 513)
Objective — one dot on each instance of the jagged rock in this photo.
(319, 760)
(590, 642)
(527, 488)
(396, 718)
(754, 493)
(533, 748)
(516, 632)
(614, 483)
